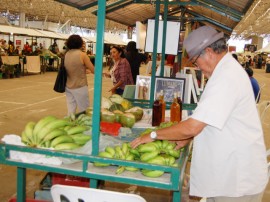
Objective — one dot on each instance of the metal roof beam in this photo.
(210, 21)
(86, 6)
(179, 3)
(176, 18)
(115, 6)
(220, 9)
(212, 5)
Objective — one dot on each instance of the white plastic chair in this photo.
(260, 92)
(262, 108)
(82, 194)
(268, 155)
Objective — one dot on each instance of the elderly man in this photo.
(229, 156)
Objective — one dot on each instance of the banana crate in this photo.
(63, 179)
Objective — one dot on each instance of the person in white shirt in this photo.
(229, 155)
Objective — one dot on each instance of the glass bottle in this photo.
(156, 112)
(175, 110)
(163, 105)
(179, 100)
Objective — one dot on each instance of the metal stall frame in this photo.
(172, 179)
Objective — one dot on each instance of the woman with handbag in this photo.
(77, 65)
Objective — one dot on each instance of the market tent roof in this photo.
(90, 39)
(49, 34)
(20, 31)
(64, 36)
(266, 49)
(111, 38)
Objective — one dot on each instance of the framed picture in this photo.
(143, 87)
(169, 87)
(190, 94)
(198, 78)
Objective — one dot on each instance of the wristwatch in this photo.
(153, 135)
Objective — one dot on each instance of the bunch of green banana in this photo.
(81, 120)
(59, 134)
(123, 152)
(84, 120)
(158, 152)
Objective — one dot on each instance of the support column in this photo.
(22, 20)
(255, 40)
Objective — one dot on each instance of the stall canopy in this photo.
(49, 34)
(30, 32)
(20, 31)
(109, 38)
(266, 49)
(90, 39)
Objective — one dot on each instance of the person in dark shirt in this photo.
(254, 83)
(135, 59)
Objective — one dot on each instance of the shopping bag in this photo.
(61, 79)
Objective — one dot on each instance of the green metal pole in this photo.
(21, 184)
(98, 80)
(164, 37)
(153, 76)
(98, 76)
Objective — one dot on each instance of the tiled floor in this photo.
(30, 97)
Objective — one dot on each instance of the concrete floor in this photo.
(31, 97)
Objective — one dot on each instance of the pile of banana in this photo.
(158, 152)
(50, 132)
(81, 120)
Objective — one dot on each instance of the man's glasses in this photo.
(195, 61)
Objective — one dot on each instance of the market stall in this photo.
(83, 165)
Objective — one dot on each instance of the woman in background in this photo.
(121, 72)
(77, 64)
(135, 59)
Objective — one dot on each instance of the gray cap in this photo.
(199, 39)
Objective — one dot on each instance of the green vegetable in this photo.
(126, 104)
(137, 112)
(127, 120)
(107, 116)
(116, 98)
(118, 114)
(116, 106)
(106, 103)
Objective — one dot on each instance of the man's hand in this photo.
(141, 140)
(181, 143)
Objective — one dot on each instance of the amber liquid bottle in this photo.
(156, 112)
(179, 100)
(163, 105)
(175, 110)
